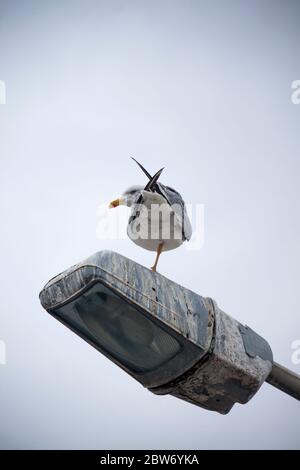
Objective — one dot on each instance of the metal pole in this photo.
(285, 380)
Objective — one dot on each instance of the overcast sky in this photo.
(202, 88)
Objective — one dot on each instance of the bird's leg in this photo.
(158, 253)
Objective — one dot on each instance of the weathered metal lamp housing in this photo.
(170, 339)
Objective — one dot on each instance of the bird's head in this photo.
(128, 198)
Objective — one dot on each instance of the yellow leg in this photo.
(158, 253)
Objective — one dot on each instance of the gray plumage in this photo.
(174, 198)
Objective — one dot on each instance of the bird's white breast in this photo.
(155, 222)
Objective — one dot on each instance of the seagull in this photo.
(158, 219)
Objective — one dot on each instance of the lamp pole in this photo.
(285, 380)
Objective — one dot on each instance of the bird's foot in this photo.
(159, 250)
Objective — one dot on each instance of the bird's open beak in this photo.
(116, 203)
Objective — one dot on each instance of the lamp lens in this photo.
(117, 327)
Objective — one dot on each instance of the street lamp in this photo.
(170, 339)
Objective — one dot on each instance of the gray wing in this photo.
(174, 198)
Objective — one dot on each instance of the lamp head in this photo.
(170, 339)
